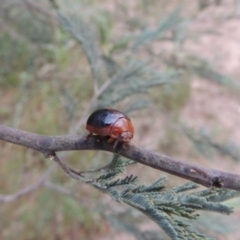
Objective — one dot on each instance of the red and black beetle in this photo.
(110, 122)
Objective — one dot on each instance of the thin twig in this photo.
(28, 189)
(48, 145)
(71, 172)
(57, 188)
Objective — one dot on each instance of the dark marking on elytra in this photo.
(101, 118)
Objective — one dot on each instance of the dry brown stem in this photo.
(49, 145)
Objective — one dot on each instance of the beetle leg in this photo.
(125, 145)
(115, 144)
(88, 136)
(110, 140)
(99, 138)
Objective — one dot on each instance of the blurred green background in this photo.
(173, 66)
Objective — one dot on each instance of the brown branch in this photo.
(48, 145)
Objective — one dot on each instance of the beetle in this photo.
(110, 122)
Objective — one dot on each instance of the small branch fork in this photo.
(49, 145)
(69, 171)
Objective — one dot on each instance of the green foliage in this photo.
(129, 80)
(201, 67)
(166, 207)
(134, 79)
(104, 24)
(86, 36)
(15, 56)
(206, 145)
(172, 97)
(171, 22)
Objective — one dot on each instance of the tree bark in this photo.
(49, 145)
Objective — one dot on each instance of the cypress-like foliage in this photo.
(166, 207)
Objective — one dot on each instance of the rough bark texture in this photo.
(48, 145)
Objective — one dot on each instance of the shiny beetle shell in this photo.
(110, 122)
